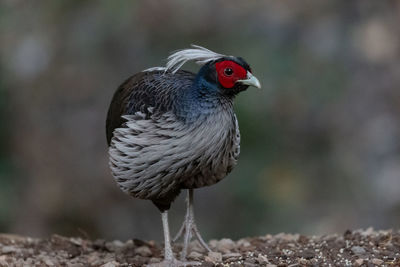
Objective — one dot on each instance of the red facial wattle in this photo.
(229, 72)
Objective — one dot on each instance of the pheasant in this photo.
(169, 129)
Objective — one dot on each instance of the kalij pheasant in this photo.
(170, 129)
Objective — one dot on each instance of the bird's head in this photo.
(227, 75)
(231, 75)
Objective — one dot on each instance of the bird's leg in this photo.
(193, 222)
(188, 224)
(189, 227)
(168, 254)
(169, 258)
(183, 228)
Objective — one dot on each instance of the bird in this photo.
(170, 130)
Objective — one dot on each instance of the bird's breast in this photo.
(150, 157)
(216, 146)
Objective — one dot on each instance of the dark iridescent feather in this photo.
(144, 90)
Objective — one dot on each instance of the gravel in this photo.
(353, 248)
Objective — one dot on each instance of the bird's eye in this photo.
(228, 71)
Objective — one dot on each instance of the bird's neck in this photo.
(202, 99)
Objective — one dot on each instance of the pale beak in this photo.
(251, 80)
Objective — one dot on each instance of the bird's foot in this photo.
(188, 228)
(174, 263)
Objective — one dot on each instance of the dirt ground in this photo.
(353, 248)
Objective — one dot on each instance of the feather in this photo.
(154, 157)
(148, 93)
(200, 55)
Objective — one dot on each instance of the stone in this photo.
(262, 259)
(231, 256)
(213, 243)
(3, 261)
(243, 243)
(376, 261)
(9, 249)
(48, 262)
(358, 262)
(111, 264)
(194, 255)
(358, 250)
(214, 256)
(195, 246)
(303, 262)
(143, 251)
(114, 245)
(155, 260)
(76, 241)
(225, 245)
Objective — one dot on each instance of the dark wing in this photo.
(144, 90)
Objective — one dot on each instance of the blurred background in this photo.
(320, 141)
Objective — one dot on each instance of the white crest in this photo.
(198, 54)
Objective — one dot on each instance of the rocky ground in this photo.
(353, 248)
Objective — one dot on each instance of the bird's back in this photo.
(154, 89)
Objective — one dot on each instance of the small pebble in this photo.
(368, 232)
(111, 264)
(243, 243)
(129, 244)
(250, 261)
(9, 249)
(76, 241)
(93, 259)
(48, 262)
(359, 262)
(262, 259)
(114, 245)
(231, 256)
(214, 257)
(225, 245)
(155, 260)
(143, 251)
(377, 261)
(250, 264)
(3, 261)
(213, 243)
(288, 237)
(303, 261)
(194, 255)
(195, 246)
(118, 243)
(358, 250)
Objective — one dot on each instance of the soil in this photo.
(353, 248)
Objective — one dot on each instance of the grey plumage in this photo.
(155, 155)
